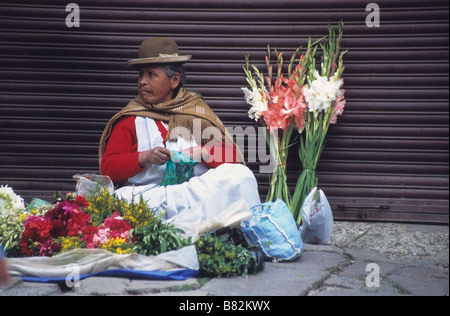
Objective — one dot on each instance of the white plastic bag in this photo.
(88, 184)
(317, 219)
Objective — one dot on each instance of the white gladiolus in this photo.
(322, 92)
(256, 100)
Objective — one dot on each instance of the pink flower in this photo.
(101, 237)
(284, 104)
(339, 105)
(113, 227)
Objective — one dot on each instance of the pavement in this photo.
(364, 259)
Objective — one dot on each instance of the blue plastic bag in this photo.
(273, 228)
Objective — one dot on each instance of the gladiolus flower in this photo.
(338, 107)
(322, 92)
(284, 104)
(256, 100)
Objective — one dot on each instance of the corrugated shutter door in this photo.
(387, 159)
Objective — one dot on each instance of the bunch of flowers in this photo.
(66, 219)
(220, 258)
(325, 99)
(306, 100)
(11, 224)
(10, 203)
(103, 204)
(101, 220)
(280, 109)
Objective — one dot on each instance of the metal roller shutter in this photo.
(387, 159)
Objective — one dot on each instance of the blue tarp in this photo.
(175, 275)
(178, 264)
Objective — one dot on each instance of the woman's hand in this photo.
(155, 156)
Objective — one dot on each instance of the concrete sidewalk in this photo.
(320, 271)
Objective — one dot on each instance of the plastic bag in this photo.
(179, 169)
(88, 184)
(317, 219)
(37, 203)
(272, 227)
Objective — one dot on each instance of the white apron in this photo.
(216, 189)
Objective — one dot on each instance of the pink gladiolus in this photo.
(283, 105)
(339, 105)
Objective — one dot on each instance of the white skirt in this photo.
(216, 189)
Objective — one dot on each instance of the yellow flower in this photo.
(117, 245)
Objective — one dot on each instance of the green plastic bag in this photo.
(179, 169)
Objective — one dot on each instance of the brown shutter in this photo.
(386, 159)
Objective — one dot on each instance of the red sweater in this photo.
(120, 160)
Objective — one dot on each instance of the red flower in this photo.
(59, 228)
(77, 223)
(118, 227)
(37, 232)
(81, 201)
(88, 236)
(37, 228)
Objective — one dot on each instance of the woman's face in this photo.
(155, 86)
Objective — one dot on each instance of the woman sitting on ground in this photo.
(163, 118)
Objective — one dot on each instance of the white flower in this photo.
(256, 100)
(322, 92)
(10, 203)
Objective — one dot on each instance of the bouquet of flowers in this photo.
(280, 109)
(325, 101)
(101, 220)
(306, 100)
(11, 225)
(68, 226)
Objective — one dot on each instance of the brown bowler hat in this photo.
(158, 50)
